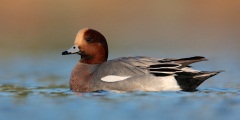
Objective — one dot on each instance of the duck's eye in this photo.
(88, 39)
(74, 47)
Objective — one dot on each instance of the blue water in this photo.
(37, 88)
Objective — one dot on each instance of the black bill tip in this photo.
(65, 53)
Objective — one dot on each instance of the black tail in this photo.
(190, 81)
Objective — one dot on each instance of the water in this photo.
(36, 87)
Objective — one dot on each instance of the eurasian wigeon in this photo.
(93, 72)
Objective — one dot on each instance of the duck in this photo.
(94, 72)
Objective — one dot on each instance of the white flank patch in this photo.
(114, 78)
(170, 83)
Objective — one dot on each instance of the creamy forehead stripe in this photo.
(114, 78)
(80, 36)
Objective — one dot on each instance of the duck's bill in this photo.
(73, 50)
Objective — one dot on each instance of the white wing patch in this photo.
(114, 78)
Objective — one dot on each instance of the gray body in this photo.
(147, 74)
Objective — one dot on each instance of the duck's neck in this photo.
(81, 77)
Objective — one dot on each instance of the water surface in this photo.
(37, 88)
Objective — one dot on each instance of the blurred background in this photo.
(33, 33)
(186, 27)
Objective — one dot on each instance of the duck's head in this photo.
(91, 45)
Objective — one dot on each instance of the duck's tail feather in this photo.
(190, 81)
(185, 61)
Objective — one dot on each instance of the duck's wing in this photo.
(132, 66)
(171, 66)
